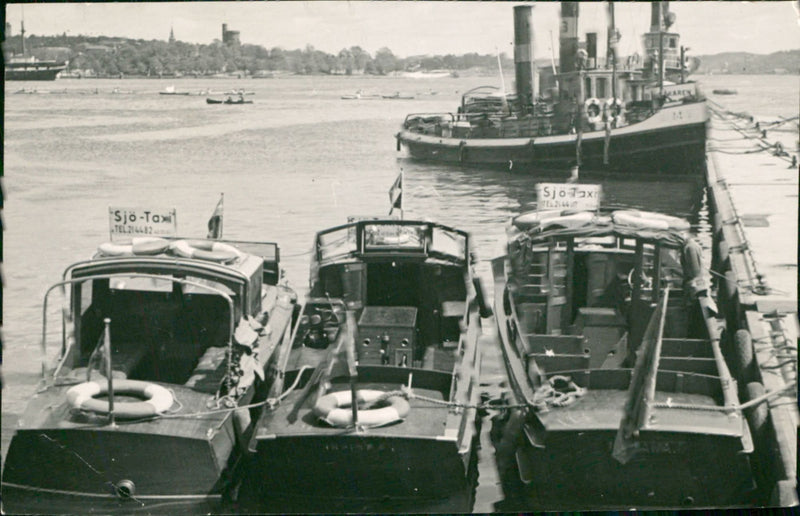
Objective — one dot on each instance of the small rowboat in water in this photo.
(228, 101)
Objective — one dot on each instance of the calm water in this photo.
(297, 160)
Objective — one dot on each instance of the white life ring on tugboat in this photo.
(594, 111)
(140, 246)
(649, 220)
(205, 250)
(157, 399)
(334, 409)
(614, 107)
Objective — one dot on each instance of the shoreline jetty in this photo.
(756, 280)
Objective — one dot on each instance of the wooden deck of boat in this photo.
(601, 409)
(425, 419)
(49, 410)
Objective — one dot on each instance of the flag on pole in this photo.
(215, 222)
(396, 193)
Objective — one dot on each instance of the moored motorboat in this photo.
(163, 347)
(620, 117)
(629, 380)
(724, 91)
(392, 320)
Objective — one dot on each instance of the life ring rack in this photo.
(156, 399)
(334, 408)
(205, 250)
(594, 110)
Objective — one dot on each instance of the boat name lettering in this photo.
(357, 447)
(557, 195)
(124, 222)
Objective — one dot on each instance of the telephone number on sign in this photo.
(559, 204)
(133, 230)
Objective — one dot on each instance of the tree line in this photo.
(102, 55)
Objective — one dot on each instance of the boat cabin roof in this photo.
(367, 240)
(243, 277)
(650, 227)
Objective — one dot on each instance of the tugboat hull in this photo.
(670, 142)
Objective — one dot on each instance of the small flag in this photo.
(215, 222)
(396, 193)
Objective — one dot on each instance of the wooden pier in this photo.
(753, 202)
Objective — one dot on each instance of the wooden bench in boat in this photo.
(210, 370)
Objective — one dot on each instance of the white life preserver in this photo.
(138, 246)
(334, 409)
(205, 250)
(594, 111)
(650, 220)
(615, 107)
(157, 399)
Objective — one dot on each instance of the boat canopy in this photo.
(379, 238)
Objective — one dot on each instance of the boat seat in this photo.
(558, 344)
(127, 359)
(210, 371)
(532, 317)
(603, 328)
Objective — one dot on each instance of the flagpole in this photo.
(402, 192)
(221, 218)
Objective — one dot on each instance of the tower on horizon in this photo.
(171, 35)
(230, 37)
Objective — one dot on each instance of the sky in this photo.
(414, 27)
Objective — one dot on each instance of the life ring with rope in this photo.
(156, 399)
(594, 111)
(139, 246)
(205, 250)
(334, 408)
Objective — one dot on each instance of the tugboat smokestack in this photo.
(524, 64)
(568, 36)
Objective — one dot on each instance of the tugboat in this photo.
(163, 347)
(392, 321)
(624, 117)
(628, 379)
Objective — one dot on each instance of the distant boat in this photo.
(360, 95)
(29, 68)
(724, 91)
(228, 101)
(397, 96)
(170, 90)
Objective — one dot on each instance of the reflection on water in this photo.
(296, 161)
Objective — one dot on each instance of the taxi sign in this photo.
(127, 223)
(567, 195)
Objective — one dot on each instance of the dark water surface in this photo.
(297, 160)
